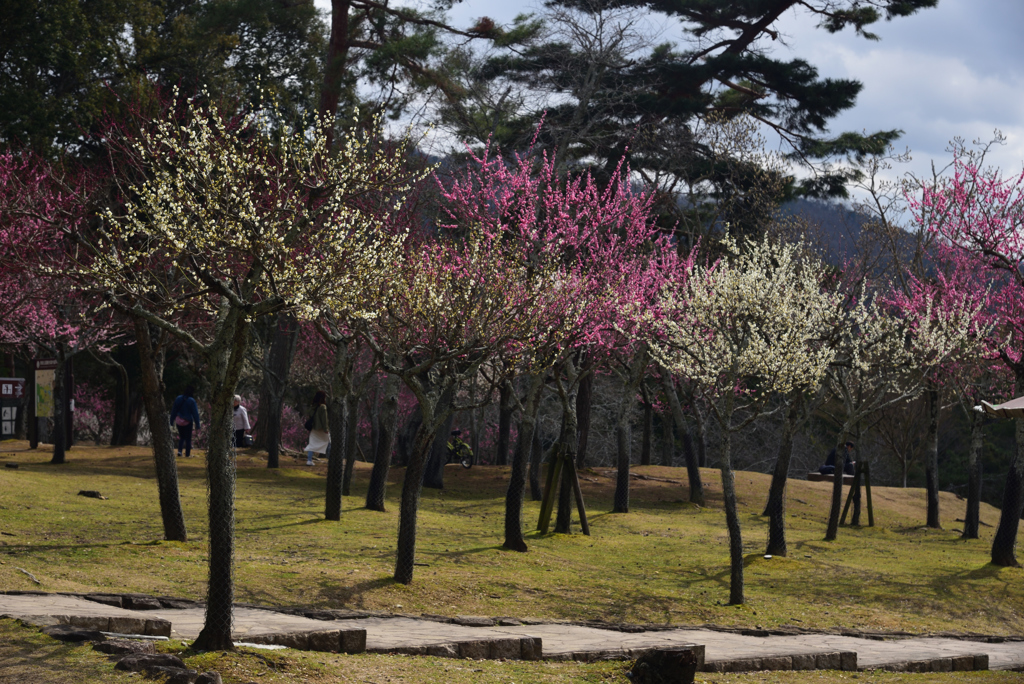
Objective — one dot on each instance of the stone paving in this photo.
(722, 651)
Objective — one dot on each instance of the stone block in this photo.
(848, 661)
(741, 665)
(100, 624)
(981, 661)
(139, 662)
(124, 647)
(714, 666)
(478, 650)
(803, 662)
(106, 599)
(777, 663)
(827, 661)
(531, 648)
(410, 650)
(942, 665)
(211, 677)
(141, 603)
(158, 628)
(171, 675)
(474, 621)
(72, 634)
(324, 640)
(962, 663)
(127, 625)
(352, 640)
(443, 650)
(504, 649)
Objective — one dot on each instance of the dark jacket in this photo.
(320, 418)
(187, 408)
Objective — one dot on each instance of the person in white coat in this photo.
(239, 422)
(319, 433)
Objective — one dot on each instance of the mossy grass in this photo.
(664, 562)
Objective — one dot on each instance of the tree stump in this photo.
(673, 665)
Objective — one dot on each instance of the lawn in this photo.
(664, 562)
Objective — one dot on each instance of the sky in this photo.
(953, 71)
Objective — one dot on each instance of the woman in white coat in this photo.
(319, 433)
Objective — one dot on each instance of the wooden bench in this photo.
(818, 477)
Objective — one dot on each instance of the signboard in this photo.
(8, 424)
(12, 388)
(44, 393)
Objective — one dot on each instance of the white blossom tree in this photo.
(226, 218)
(748, 327)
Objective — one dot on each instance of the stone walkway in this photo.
(351, 632)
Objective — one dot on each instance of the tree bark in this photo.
(119, 427)
(692, 462)
(59, 407)
(536, 459)
(224, 361)
(584, 404)
(433, 476)
(341, 382)
(732, 517)
(645, 444)
(775, 509)
(351, 432)
(931, 456)
(569, 440)
(622, 436)
(832, 531)
(376, 490)
(267, 432)
(151, 362)
(516, 491)
(335, 64)
(504, 423)
(668, 439)
(1005, 541)
(972, 516)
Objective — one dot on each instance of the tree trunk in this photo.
(351, 432)
(645, 444)
(776, 506)
(225, 360)
(516, 491)
(668, 439)
(59, 407)
(702, 436)
(536, 458)
(931, 456)
(341, 382)
(436, 407)
(584, 403)
(475, 421)
(1013, 502)
(622, 436)
(433, 476)
(692, 461)
(335, 65)
(504, 423)
(732, 517)
(385, 446)
(972, 516)
(267, 432)
(569, 441)
(151, 362)
(119, 427)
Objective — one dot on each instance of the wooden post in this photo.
(548, 500)
(581, 509)
(853, 488)
(867, 489)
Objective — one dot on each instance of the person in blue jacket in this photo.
(185, 417)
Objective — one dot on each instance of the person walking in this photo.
(239, 422)
(319, 433)
(185, 417)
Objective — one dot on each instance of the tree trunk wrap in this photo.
(775, 509)
(151, 367)
(1005, 541)
(504, 423)
(692, 461)
(516, 491)
(932, 456)
(375, 492)
(351, 432)
(972, 516)
(225, 360)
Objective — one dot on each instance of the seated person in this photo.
(830, 461)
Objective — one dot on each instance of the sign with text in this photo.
(12, 388)
(44, 393)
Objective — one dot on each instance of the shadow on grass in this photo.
(354, 595)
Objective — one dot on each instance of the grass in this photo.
(664, 562)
